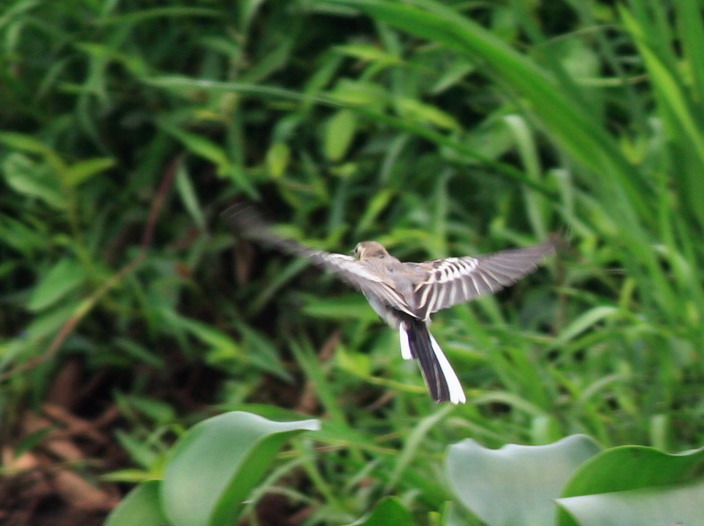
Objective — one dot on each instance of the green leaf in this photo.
(217, 463)
(389, 512)
(83, 170)
(676, 504)
(368, 53)
(585, 321)
(33, 179)
(140, 506)
(339, 134)
(425, 113)
(188, 195)
(277, 159)
(359, 93)
(198, 145)
(634, 467)
(27, 143)
(349, 306)
(57, 282)
(515, 485)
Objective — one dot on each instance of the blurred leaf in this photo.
(579, 61)
(33, 179)
(348, 306)
(355, 363)
(83, 170)
(27, 143)
(140, 506)
(359, 93)
(61, 279)
(277, 159)
(425, 113)
(339, 133)
(20, 236)
(198, 145)
(378, 203)
(248, 9)
(452, 76)
(188, 195)
(585, 321)
(671, 505)
(216, 464)
(261, 352)
(515, 485)
(390, 511)
(140, 453)
(222, 346)
(368, 53)
(632, 467)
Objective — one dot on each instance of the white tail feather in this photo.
(453, 383)
(406, 353)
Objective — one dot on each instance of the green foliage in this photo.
(210, 471)
(520, 485)
(437, 128)
(515, 485)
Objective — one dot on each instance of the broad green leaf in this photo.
(632, 467)
(56, 283)
(672, 505)
(216, 464)
(140, 506)
(389, 512)
(339, 134)
(515, 485)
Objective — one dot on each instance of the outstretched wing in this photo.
(457, 280)
(246, 221)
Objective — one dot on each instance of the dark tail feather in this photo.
(437, 372)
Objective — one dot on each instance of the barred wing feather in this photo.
(457, 280)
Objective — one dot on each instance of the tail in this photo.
(418, 343)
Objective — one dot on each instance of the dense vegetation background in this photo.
(129, 312)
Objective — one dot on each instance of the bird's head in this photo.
(369, 249)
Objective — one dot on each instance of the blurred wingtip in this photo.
(558, 241)
(243, 218)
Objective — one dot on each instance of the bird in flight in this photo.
(404, 294)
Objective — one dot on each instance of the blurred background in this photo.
(129, 311)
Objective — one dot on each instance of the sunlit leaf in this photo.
(515, 485)
(216, 464)
(141, 506)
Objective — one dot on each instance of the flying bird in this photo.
(405, 294)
